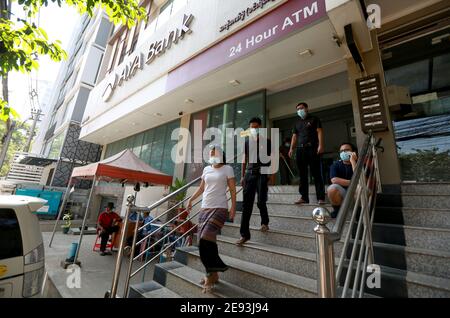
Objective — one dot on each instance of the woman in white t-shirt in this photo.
(216, 179)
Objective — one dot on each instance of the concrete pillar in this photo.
(182, 149)
(389, 163)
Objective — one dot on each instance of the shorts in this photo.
(341, 189)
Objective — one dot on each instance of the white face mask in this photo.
(214, 161)
(254, 132)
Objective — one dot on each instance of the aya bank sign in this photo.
(155, 50)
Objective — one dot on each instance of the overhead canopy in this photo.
(125, 167)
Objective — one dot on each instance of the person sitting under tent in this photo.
(108, 224)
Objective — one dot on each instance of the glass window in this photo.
(136, 144)
(168, 165)
(10, 236)
(415, 76)
(441, 72)
(55, 149)
(158, 147)
(146, 150)
(234, 114)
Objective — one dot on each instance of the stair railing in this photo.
(132, 208)
(358, 206)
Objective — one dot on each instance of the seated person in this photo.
(341, 173)
(108, 223)
(186, 227)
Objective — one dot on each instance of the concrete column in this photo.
(389, 163)
(183, 149)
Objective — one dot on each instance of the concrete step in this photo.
(294, 240)
(406, 284)
(439, 218)
(185, 281)
(290, 198)
(292, 189)
(420, 201)
(276, 257)
(151, 289)
(402, 257)
(423, 261)
(426, 188)
(435, 239)
(290, 209)
(284, 223)
(263, 280)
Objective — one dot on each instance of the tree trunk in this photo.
(5, 9)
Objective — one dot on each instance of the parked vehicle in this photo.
(22, 256)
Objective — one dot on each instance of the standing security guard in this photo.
(253, 180)
(308, 138)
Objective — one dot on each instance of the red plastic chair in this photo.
(109, 244)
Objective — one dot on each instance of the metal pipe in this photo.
(118, 265)
(61, 209)
(363, 278)
(352, 259)
(130, 264)
(84, 221)
(326, 283)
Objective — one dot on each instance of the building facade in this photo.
(222, 62)
(58, 137)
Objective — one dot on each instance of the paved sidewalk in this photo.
(96, 271)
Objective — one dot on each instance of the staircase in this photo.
(412, 240)
(411, 244)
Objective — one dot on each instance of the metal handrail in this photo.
(360, 201)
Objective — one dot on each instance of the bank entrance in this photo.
(339, 126)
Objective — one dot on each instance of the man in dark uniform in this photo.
(308, 139)
(254, 180)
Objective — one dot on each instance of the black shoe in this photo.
(102, 254)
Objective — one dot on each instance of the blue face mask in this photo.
(302, 113)
(345, 156)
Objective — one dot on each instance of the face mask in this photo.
(345, 156)
(254, 132)
(287, 145)
(214, 160)
(302, 113)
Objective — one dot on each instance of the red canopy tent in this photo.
(124, 168)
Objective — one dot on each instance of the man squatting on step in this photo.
(341, 173)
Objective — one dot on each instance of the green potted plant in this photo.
(67, 218)
(178, 184)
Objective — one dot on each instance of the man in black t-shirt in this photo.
(307, 141)
(341, 173)
(257, 159)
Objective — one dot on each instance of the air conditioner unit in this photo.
(399, 98)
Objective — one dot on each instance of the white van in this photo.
(22, 266)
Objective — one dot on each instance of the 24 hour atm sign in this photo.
(290, 21)
(278, 24)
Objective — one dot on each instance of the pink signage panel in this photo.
(288, 18)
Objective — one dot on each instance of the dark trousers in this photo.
(254, 183)
(209, 255)
(285, 174)
(308, 157)
(104, 235)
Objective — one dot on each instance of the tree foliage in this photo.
(21, 41)
(18, 140)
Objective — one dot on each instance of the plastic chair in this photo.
(109, 244)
